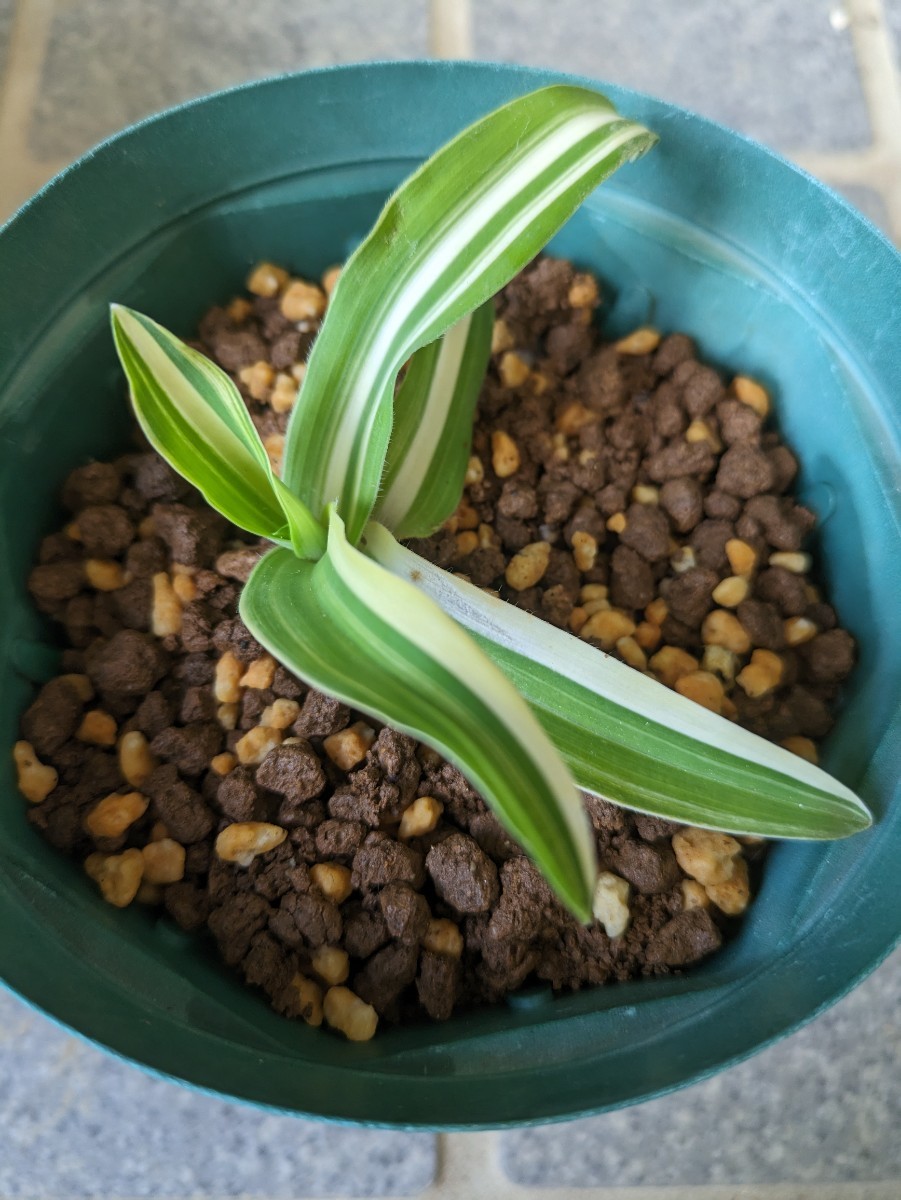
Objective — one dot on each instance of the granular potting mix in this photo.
(619, 491)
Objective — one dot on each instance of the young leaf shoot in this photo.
(526, 711)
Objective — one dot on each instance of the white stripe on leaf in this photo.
(428, 439)
(423, 267)
(433, 412)
(194, 416)
(571, 661)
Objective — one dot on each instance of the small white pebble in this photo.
(611, 903)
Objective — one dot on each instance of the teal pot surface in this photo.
(773, 275)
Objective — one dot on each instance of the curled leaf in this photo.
(433, 412)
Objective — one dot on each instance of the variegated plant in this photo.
(527, 712)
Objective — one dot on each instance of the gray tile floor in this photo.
(75, 1122)
(777, 70)
(793, 83)
(93, 82)
(822, 1107)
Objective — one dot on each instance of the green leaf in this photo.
(630, 739)
(453, 234)
(370, 639)
(193, 415)
(433, 413)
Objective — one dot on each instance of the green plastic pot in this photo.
(773, 275)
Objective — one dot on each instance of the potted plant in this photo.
(683, 997)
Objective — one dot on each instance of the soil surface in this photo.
(623, 492)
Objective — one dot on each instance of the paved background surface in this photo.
(816, 1116)
(821, 1108)
(817, 80)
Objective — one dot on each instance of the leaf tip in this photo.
(863, 819)
(576, 892)
(121, 316)
(582, 909)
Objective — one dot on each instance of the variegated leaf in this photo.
(433, 413)
(625, 736)
(451, 236)
(193, 414)
(377, 643)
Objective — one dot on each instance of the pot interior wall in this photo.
(137, 984)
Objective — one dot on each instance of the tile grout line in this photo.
(688, 1191)
(18, 93)
(468, 1166)
(879, 165)
(873, 44)
(881, 83)
(28, 39)
(496, 1187)
(450, 29)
